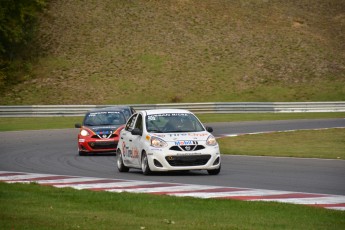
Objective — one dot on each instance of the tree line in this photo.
(17, 29)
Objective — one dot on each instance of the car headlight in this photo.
(211, 140)
(158, 143)
(84, 133)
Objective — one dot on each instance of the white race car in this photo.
(167, 140)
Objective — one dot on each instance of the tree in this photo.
(17, 18)
(17, 21)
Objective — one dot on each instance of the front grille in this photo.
(106, 136)
(187, 147)
(190, 160)
(103, 145)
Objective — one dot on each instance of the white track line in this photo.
(267, 132)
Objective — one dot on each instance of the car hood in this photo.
(190, 136)
(103, 129)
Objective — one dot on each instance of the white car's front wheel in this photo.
(145, 164)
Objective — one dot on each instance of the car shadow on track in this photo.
(171, 173)
(107, 154)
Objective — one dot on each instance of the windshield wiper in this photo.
(176, 131)
(154, 131)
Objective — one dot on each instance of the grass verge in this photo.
(34, 123)
(94, 52)
(41, 207)
(230, 117)
(328, 144)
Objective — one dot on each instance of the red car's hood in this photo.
(104, 129)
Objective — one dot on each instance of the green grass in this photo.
(329, 144)
(233, 117)
(139, 52)
(32, 206)
(34, 123)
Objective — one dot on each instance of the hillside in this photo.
(161, 51)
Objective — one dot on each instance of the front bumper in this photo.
(168, 160)
(96, 145)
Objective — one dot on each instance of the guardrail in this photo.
(211, 107)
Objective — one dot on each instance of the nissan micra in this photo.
(167, 140)
(99, 133)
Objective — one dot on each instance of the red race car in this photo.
(100, 130)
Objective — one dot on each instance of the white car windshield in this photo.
(172, 123)
(104, 118)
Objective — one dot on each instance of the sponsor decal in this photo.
(114, 127)
(135, 153)
(81, 140)
(103, 132)
(129, 153)
(185, 142)
(198, 134)
(98, 113)
(153, 117)
(156, 149)
(187, 154)
(124, 150)
(178, 134)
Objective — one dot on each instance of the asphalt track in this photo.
(54, 152)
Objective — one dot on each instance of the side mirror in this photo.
(77, 125)
(209, 129)
(137, 132)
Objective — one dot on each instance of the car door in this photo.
(137, 142)
(126, 141)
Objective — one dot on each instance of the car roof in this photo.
(162, 111)
(114, 109)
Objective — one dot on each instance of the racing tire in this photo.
(214, 171)
(119, 162)
(82, 153)
(145, 164)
